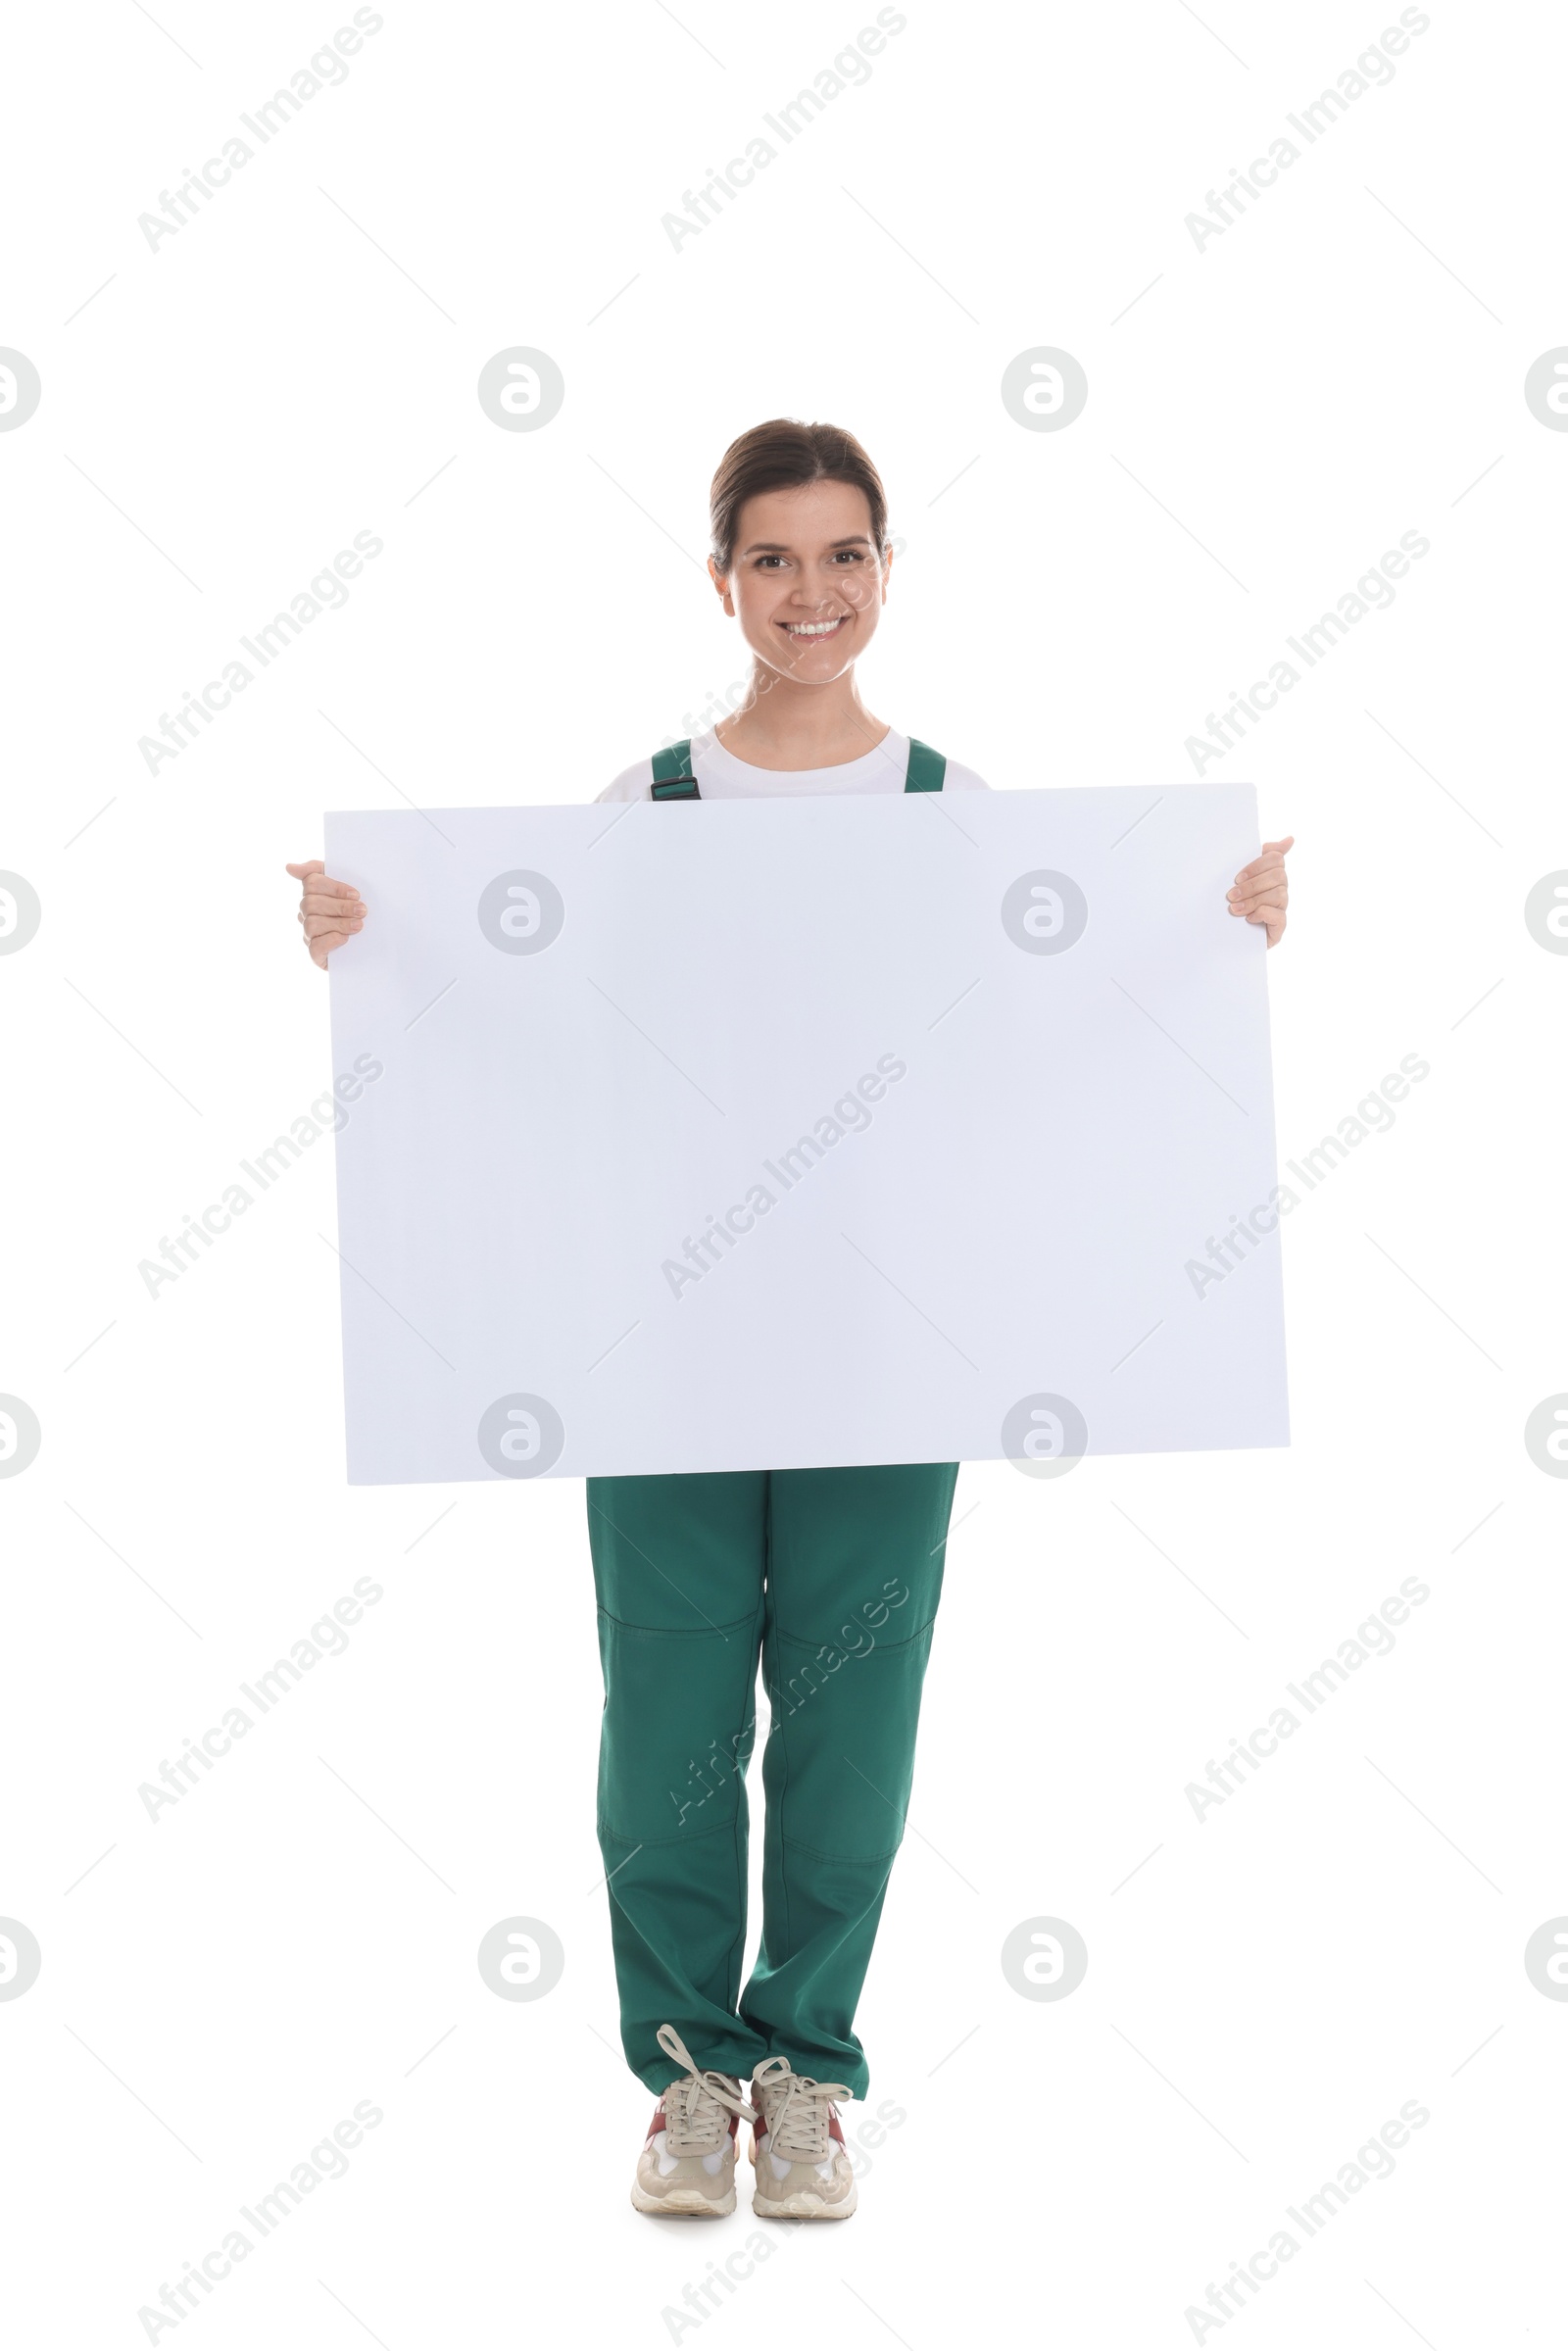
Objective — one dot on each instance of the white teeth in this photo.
(812, 628)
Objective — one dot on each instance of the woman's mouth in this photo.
(810, 631)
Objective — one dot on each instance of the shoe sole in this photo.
(684, 2205)
(803, 2207)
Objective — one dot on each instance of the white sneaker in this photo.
(687, 2167)
(802, 2170)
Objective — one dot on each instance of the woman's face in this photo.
(805, 581)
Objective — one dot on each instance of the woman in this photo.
(699, 1576)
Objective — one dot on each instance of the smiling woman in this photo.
(701, 1580)
(801, 560)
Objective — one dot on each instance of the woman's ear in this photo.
(720, 581)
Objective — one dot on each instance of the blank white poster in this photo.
(718, 1136)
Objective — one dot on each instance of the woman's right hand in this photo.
(329, 911)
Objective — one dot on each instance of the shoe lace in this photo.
(696, 2109)
(797, 2120)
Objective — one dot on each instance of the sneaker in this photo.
(802, 2170)
(687, 2168)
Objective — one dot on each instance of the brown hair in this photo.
(786, 455)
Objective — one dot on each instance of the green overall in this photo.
(832, 1577)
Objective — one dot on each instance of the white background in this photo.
(1265, 417)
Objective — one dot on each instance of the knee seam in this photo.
(857, 1860)
(675, 1631)
(795, 1641)
(682, 1836)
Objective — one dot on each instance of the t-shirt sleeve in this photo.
(962, 779)
(633, 783)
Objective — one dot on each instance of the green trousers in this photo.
(832, 1577)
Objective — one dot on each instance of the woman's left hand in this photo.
(1261, 888)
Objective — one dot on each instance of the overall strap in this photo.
(672, 773)
(673, 778)
(926, 768)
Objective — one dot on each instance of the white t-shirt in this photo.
(721, 775)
